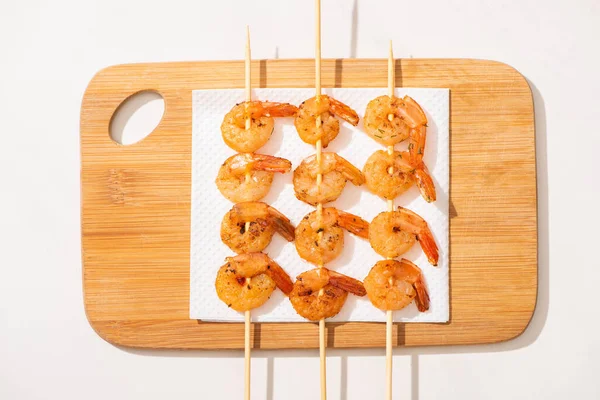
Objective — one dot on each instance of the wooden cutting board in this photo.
(135, 205)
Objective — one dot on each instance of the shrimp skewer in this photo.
(249, 227)
(248, 176)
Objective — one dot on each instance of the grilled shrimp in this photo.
(325, 107)
(321, 293)
(335, 172)
(392, 285)
(261, 115)
(320, 241)
(248, 176)
(392, 233)
(406, 116)
(234, 289)
(264, 222)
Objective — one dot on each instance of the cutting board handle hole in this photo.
(136, 117)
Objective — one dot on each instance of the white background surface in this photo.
(50, 50)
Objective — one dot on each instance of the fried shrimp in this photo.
(248, 176)
(390, 175)
(392, 233)
(406, 114)
(261, 115)
(327, 108)
(321, 293)
(392, 285)
(265, 274)
(321, 240)
(264, 221)
(335, 171)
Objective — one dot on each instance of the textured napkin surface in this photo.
(208, 205)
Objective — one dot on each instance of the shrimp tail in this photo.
(412, 113)
(422, 299)
(263, 162)
(353, 224)
(282, 224)
(350, 172)
(343, 111)
(428, 245)
(279, 109)
(280, 277)
(347, 283)
(425, 183)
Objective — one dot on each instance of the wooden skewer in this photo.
(247, 225)
(390, 203)
(319, 150)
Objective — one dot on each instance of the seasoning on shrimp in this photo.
(335, 172)
(406, 114)
(264, 221)
(321, 240)
(261, 115)
(392, 233)
(265, 274)
(392, 285)
(248, 177)
(327, 108)
(321, 293)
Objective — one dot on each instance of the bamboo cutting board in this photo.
(135, 206)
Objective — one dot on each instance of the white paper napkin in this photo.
(208, 205)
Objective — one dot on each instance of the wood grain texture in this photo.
(135, 206)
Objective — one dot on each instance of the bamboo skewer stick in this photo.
(247, 225)
(319, 150)
(390, 203)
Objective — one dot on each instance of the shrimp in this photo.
(335, 172)
(261, 115)
(325, 107)
(248, 177)
(392, 285)
(264, 222)
(392, 233)
(321, 241)
(234, 289)
(406, 170)
(406, 114)
(321, 293)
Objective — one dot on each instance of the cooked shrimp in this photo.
(406, 170)
(321, 293)
(335, 172)
(321, 241)
(234, 289)
(326, 107)
(248, 176)
(406, 114)
(264, 222)
(261, 115)
(392, 285)
(392, 233)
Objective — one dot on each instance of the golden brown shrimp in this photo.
(263, 220)
(392, 233)
(392, 285)
(321, 293)
(325, 107)
(406, 170)
(321, 241)
(406, 114)
(248, 176)
(234, 289)
(335, 172)
(261, 115)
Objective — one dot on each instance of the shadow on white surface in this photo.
(137, 117)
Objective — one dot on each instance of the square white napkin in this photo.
(208, 205)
